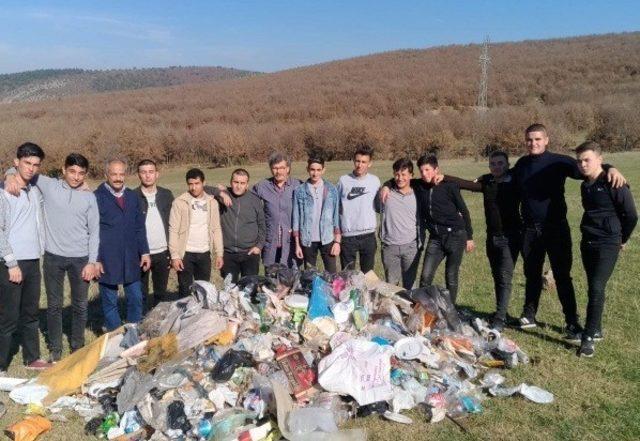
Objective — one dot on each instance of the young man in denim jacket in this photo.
(316, 218)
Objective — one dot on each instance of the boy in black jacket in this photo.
(608, 220)
(504, 227)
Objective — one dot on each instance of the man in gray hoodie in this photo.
(72, 227)
(21, 245)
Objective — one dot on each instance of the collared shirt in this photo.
(317, 192)
(117, 194)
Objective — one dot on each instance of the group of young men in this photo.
(124, 237)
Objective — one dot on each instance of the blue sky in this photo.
(272, 35)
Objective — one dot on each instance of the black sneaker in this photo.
(587, 347)
(527, 323)
(598, 336)
(573, 333)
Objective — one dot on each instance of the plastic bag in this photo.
(176, 418)
(311, 419)
(359, 368)
(320, 302)
(228, 364)
(29, 428)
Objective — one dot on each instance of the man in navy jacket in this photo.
(123, 245)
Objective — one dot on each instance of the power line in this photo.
(485, 60)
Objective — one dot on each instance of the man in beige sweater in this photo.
(194, 233)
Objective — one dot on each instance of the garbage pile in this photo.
(290, 355)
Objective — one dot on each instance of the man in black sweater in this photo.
(607, 223)
(243, 226)
(540, 177)
(443, 212)
(155, 202)
(504, 227)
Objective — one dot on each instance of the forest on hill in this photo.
(400, 102)
(46, 84)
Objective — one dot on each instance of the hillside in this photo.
(401, 102)
(47, 84)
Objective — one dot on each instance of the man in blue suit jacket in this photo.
(123, 246)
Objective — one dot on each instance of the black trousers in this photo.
(159, 275)
(365, 245)
(554, 241)
(310, 254)
(239, 265)
(197, 266)
(19, 307)
(599, 261)
(502, 252)
(55, 269)
(449, 246)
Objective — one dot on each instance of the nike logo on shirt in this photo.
(356, 192)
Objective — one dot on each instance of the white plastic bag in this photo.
(359, 368)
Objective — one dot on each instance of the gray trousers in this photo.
(401, 263)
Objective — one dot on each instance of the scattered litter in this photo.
(289, 354)
(29, 428)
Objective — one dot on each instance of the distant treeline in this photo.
(402, 102)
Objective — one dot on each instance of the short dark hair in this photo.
(364, 150)
(403, 164)
(240, 172)
(29, 149)
(315, 160)
(429, 159)
(497, 153)
(589, 145)
(76, 159)
(537, 127)
(147, 162)
(195, 173)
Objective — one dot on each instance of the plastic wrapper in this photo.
(29, 428)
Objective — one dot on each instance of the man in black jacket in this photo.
(155, 202)
(504, 227)
(444, 213)
(243, 226)
(607, 223)
(540, 177)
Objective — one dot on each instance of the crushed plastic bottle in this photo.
(311, 419)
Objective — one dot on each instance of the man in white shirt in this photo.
(155, 202)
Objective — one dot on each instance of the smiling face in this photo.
(74, 175)
(536, 142)
(361, 164)
(27, 167)
(148, 175)
(315, 172)
(590, 163)
(280, 171)
(429, 173)
(402, 178)
(116, 174)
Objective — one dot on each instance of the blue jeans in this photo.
(109, 297)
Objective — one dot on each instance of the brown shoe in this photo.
(38, 365)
